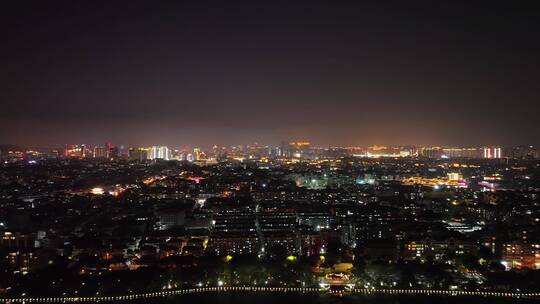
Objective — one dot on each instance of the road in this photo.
(256, 289)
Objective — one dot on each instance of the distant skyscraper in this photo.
(160, 152)
(431, 152)
(75, 151)
(100, 152)
(199, 154)
(492, 152)
(114, 153)
(462, 152)
(139, 154)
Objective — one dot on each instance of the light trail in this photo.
(364, 291)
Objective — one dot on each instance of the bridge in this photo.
(257, 289)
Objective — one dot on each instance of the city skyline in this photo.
(295, 151)
(269, 152)
(349, 74)
(190, 146)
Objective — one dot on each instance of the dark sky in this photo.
(226, 72)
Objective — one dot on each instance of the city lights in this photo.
(97, 191)
(269, 152)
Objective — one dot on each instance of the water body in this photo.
(292, 298)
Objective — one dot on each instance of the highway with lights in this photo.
(172, 293)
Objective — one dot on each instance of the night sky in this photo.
(225, 72)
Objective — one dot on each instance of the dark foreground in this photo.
(273, 298)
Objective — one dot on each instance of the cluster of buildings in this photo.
(486, 152)
(477, 216)
(298, 150)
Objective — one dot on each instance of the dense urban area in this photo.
(85, 220)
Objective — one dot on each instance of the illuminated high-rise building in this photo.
(431, 152)
(492, 152)
(215, 151)
(199, 154)
(74, 151)
(453, 152)
(114, 153)
(100, 152)
(159, 152)
(139, 154)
